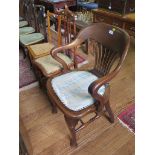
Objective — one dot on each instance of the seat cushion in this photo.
(29, 39)
(23, 23)
(72, 89)
(26, 30)
(50, 65)
(40, 50)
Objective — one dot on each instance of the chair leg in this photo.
(54, 107)
(108, 109)
(71, 123)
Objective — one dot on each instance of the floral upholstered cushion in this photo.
(23, 23)
(26, 30)
(72, 89)
(29, 39)
(39, 50)
(50, 65)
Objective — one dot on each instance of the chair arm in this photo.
(57, 50)
(95, 86)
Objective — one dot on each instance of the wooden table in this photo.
(126, 22)
(57, 4)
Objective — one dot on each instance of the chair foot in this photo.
(73, 143)
(111, 115)
(71, 123)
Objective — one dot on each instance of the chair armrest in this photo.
(95, 86)
(57, 50)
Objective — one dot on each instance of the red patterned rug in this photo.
(26, 74)
(127, 117)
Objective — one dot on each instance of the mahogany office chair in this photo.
(79, 93)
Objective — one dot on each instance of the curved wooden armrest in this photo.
(57, 50)
(94, 86)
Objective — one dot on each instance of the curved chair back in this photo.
(112, 43)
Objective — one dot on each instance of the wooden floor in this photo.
(45, 133)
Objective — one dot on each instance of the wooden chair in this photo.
(43, 49)
(22, 7)
(79, 93)
(23, 24)
(46, 66)
(26, 40)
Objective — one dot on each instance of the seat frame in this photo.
(118, 43)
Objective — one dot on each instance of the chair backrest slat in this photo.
(110, 42)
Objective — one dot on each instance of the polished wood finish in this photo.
(121, 6)
(57, 18)
(47, 132)
(116, 19)
(53, 6)
(113, 44)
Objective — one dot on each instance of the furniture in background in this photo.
(28, 39)
(53, 5)
(43, 49)
(87, 4)
(126, 21)
(79, 93)
(121, 6)
(46, 66)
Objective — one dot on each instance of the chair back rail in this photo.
(112, 43)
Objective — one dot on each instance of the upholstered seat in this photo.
(40, 50)
(31, 38)
(49, 65)
(26, 30)
(72, 89)
(23, 23)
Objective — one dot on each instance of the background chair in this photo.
(28, 39)
(23, 24)
(87, 4)
(79, 93)
(53, 37)
(46, 66)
